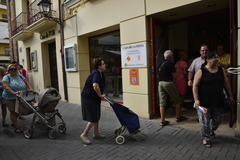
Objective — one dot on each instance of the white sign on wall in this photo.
(134, 55)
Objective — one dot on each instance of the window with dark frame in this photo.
(3, 2)
(7, 51)
(4, 16)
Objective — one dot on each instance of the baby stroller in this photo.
(44, 112)
(129, 121)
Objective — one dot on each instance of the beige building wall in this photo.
(154, 6)
(40, 79)
(133, 29)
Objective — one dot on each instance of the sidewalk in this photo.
(168, 143)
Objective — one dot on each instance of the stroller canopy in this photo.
(48, 95)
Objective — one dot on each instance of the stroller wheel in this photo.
(28, 132)
(52, 134)
(120, 139)
(62, 128)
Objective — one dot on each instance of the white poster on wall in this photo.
(134, 55)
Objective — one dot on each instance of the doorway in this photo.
(187, 34)
(53, 65)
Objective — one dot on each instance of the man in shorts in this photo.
(166, 87)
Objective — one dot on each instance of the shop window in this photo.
(107, 46)
(70, 58)
(3, 2)
(7, 51)
(4, 16)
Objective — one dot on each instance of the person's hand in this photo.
(103, 95)
(205, 109)
(30, 90)
(17, 92)
(190, 83)
(196, 104)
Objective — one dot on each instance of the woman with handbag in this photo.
(208, 86)
(13, 84)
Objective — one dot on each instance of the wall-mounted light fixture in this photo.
(45, 9)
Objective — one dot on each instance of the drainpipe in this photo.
(60, 6)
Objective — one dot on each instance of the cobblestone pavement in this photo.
(168, 143)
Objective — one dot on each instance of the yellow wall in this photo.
(2, 11)
(2, 48)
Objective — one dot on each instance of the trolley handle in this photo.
(107, 99)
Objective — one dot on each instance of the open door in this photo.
(159, 43)
(233, 53)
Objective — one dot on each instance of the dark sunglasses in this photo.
(13, 69)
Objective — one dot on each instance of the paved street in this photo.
(168, 143)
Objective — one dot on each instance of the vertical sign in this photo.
(134, 77)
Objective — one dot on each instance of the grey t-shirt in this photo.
(196, 65)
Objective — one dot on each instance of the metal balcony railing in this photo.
(19, 23)
(34, 13)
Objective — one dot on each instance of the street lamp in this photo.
(45, 9)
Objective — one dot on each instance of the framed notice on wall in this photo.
(34, 63)
(134, 55)
(134, 76)
(70, 58)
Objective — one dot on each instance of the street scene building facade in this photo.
(4, 36)
(57, 48)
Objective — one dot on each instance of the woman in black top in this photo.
(208, 86)
(91, 100)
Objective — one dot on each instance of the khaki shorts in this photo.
(166, 89)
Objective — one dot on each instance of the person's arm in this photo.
(190, 78)
(228, 90)
(175, 74)
(97, 90)
(7, 87)
(28, 84)
(196, 83)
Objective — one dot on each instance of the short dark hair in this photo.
(208, 56)
(97, 62)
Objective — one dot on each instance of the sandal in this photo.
(207, 144)
(164, 123)
(5, 124)
(18, 130)
(181, 118)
